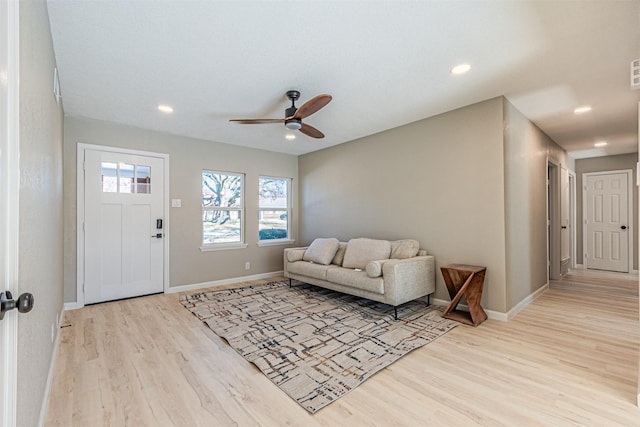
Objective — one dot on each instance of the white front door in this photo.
(9, 211)
(607, 219)
(124, 227)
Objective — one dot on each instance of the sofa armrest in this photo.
(408, 279)
(294, 253)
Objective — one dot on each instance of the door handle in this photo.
(24, 304)
(564, 227)
(624, 227)
(157, 236)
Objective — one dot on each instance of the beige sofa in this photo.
(389, 272)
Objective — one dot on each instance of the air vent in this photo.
(635, 74)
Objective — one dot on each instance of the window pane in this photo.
(273, 225)
(143, 179)
(221, 226)
(273, 193)
(125, 178)
(109, 177)
(220, 189)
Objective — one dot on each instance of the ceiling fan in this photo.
(293, 116)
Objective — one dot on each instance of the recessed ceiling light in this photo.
(165, 109)
(460, 69)
(290, 136)
(583, 109)
(601, 144)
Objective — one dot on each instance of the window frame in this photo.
(241, 209)
(289, 210)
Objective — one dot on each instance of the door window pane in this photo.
(143, 179)
(109, 177)
(125, 178)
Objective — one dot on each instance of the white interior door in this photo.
(9, 191)
(123, 247)
(565, 222)
(607, 221)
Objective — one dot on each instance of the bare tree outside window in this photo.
(222, 207)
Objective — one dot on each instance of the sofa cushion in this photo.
(321, 250)
(355, 279)
(309, 269)
(374, 268)
(407, 248)
(360, 251)
(339, 258)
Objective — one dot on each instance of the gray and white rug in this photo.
(315, 344)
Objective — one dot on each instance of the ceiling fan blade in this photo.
(311, 131)
(256, 121)
(312, 105)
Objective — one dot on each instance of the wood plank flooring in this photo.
(569, 358)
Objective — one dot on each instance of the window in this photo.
(125, 178)
(222, 210)
(274, 206)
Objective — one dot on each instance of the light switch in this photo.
(176, 203)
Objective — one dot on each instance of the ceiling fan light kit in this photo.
(293, 116)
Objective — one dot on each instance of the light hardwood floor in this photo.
(569, 358)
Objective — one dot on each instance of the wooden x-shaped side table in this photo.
(467, 280)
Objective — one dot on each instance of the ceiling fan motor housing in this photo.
(293, 124)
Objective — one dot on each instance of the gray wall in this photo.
(188, 157)
(40, 233)
(438, 180)
(601, 164)
(526, 150)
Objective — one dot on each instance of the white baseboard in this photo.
(497, 315)
(216, 283)
(52, 366)
(579, 267)
(526, 301)
(68, 306)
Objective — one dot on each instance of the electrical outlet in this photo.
(247, 265)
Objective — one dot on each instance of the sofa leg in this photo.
(428, 299)
(290, 282)
(395, 312)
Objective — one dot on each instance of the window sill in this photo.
(275, 242)
(223, 247)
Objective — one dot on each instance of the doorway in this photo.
(122, 221)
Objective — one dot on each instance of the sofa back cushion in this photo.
(361, 251)
(407, 248)
(339, 258)
(321, 251)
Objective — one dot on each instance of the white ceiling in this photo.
(386, 63)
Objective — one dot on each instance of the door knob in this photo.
(157, 236)
(624, 227)
(24, 304)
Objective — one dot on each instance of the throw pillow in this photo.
(321, 251)
(374, 268)
(361, 251)
(339, 258)
(407, 248)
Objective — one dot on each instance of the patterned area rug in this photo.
(315, 344)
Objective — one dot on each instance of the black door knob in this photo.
(24, 304)
(624, 227)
